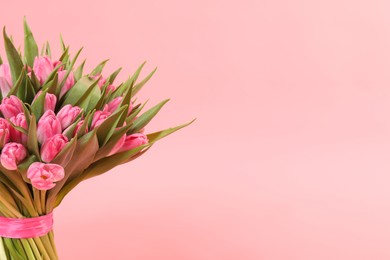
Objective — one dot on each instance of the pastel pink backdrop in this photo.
(289, 157)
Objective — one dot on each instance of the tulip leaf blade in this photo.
(107, 128)
(32, 140)
(14, 60)
(138, 86)
(30, 46)
(37, 107)
(154, 137)
(146, 117)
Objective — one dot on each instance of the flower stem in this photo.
(3, 254)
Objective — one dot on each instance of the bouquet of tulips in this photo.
(58, 127)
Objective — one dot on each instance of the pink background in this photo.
(289, 157)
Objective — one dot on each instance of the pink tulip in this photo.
(16, 135)
(12, 154)
(11, 106)
(110, 88)
(69, 82)
(67, 115)
(101, 81)
(43, 66)
(113, 105)
(4, 132)
(43, 175)
(76, 129)
(99, 117)
(78, 126)
(48, 125)
(5, 79)
(50, 101)
(133, 141)
(52, 146)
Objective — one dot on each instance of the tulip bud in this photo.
(12, 154)
(50, 101)
(99, 117)
(69, 82)
(16, 135)
(5, 79)
(42, 68)
(133, 141)
(11, 106)
(52, 146)
(48, 125)
(4, 132)
(110, 88)
(101, 81)
(76, 129)
(43, 175)
(67, 115)
(113, 105)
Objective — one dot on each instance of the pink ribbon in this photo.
(26, 227)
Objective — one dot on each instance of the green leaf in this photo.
(43, 49)
(153, 137)
(14, 60)
(116, 136)
(52, 74)
(134, 112)
(37, 107)
(15, 89)
(32, 141)
(98, 168)
(137, 72)
(80, 92)
(29, 90)
(122, 88)
(69, 70)
(125, 101)
(65, 56)
(30, 46)
(68, 132)
(113, 76)
(146, 117)
(79, 71)
(87, 146)
(90, 98)
(104, 97)
(99, 68)
(1, 60)
(107, 128)
(27, 113)
(51, 86)
(62, 43)
(48, 49)
(112, 161)
(35, 81)
(138, 86)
